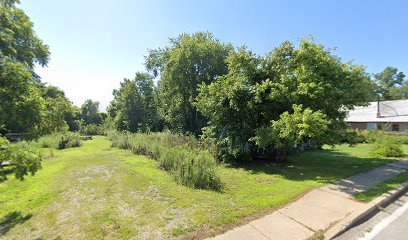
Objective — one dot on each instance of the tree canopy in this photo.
(245, 103)
(392, 84)
(189, 61)
(134, 105)
(289, 96)
(18, 40)
(90, 112)
(26, 105)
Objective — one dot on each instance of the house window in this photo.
(371, 126)
(395, 127)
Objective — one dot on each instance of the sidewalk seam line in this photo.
(297, 221)
(258, 230)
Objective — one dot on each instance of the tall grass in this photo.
(60, 140)
(189, 161)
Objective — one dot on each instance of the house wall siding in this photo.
(403, 127)
(359, 125)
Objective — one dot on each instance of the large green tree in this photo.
(20, 49)
(90, 113)
(249, 108)
(21, 102)
(22, 106)
(17, 37)
(134, 105)
(188, 62)
(391, 84)
(58, 114)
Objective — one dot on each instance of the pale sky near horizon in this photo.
(96, 43)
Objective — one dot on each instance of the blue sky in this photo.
(96, 43)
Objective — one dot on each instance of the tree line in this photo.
(28, 105)
(246, 104)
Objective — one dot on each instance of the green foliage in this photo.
(256, 91)
(391, 84)
(187, 160)
(21, 100)
(134, 105)
(57, 112)
(134, 197)
(17, 37)
(92, 130)
(386, 146)
(402, 139)
(364, 136)
(60, 140)
(292, 129)
(27, 105)
(189, 61)
(19, 159)
(69, 140)
(90, 112)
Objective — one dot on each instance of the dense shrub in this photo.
(60, 140)
(19, 159)
(189, 161)
(386, 146)
(366, 136)
(91, 130)
(362, 136)
(402, 139)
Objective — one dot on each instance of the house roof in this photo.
(391, 111)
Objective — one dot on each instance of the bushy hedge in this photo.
(371, 136)
(186, 159)
(386, 146)
(60, 140)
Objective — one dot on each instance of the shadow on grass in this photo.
(324, 166)
(11, 220)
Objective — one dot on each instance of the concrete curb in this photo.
(362, 213)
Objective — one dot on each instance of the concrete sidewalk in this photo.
(315, 211)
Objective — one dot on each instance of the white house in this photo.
(387, 115)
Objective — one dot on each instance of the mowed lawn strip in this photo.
(383, 187)
(100, 192)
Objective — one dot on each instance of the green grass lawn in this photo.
(381, 188)
(100, 192)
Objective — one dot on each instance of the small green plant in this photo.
(189, 161)
(386, 146)
(318, 235)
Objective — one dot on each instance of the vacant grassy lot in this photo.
(100, 192)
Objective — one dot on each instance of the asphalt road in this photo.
(390, 223)
(396, 230)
